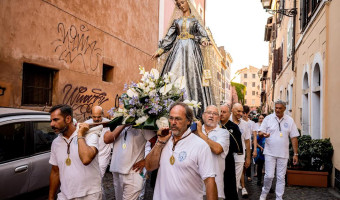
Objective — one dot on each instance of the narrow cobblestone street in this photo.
(291, 192)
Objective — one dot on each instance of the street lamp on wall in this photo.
(286, 12)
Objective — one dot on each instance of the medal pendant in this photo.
(68, 161)
(124, 146)
(172, 160)
(280, 134)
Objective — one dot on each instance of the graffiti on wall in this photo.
(81, 99)
(75, 44)
(2, 91)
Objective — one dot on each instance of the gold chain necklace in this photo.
(68, 160)
(172, 158)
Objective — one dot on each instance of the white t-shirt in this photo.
(135, 140)
(277, 144)
(104, 151)
(220, 136)
(251, 125)
(77, 180)
(246, 134)
(184, 179)
(256, 127)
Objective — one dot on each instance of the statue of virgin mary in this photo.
(185, 58)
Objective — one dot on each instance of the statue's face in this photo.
(183, 5)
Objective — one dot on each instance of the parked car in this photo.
(25, 144)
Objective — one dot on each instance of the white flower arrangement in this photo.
(146, 104)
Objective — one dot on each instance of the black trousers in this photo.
(260, 164)
(230, 190)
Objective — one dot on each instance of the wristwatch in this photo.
(296, 154)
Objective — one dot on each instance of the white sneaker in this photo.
(244, 193)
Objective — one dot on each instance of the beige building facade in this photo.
(305, 71)
(249, 77)
(73, 52)
(219, 63)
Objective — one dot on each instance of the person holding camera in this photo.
(218, 141)
(184, 160)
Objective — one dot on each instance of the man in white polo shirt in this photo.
(127, 160)
(73, 158)
(104, 152)
(277, 128)
(184, 160)
(218, 141)
(241, 160)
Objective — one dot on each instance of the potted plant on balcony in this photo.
(315, 162)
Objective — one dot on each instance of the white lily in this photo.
(152, 85)
(165, 89)
(155, 73)
(141, 70)
(147, 89)
(145, 77)
(162, 123)
(180, 83)
(192, 104)
(132, 93)
(141, 120)
(152, 92)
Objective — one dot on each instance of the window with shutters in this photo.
(253, 84)
(245, 84)
(307, 10)
(245, 75)
(275, 66)
(280, 59)
(37, 85)
(218, 76)
(281, 7)
(253, 93)
(253, 75)
(289, 39)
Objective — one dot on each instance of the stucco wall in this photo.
(332, 81)
(76, 38)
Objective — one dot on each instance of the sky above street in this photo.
(238, 25)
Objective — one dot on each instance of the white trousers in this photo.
(281, 168)
(238, 172)
(127, 186)
(95, 196)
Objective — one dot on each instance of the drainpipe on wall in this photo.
(293, 40)
(293, 60)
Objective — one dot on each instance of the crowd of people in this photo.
(211, 160)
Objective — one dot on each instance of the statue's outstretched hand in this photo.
(155, 55)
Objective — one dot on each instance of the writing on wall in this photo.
(82, 99)
(74, 43)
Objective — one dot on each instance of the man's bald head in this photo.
(97, 113)
(237, 110)
(225, 114)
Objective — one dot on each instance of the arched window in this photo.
(305, 105)
(316, 102)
